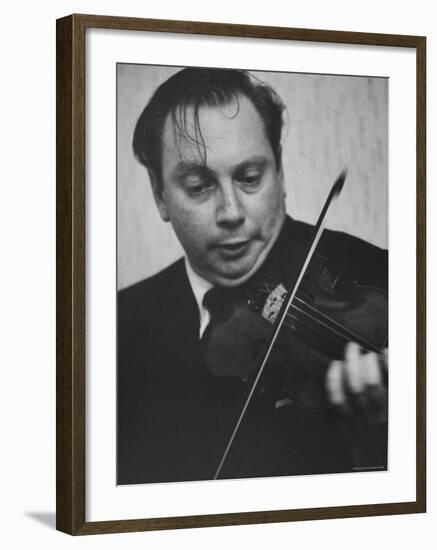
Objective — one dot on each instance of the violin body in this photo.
(328, 311)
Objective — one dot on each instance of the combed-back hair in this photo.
(193, 88)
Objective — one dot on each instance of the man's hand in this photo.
(357, 385)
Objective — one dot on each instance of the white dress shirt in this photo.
(200, 287)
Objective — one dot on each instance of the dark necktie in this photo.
(216, 299)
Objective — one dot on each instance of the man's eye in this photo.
(251, 180)
(196, 189)
(196, 186)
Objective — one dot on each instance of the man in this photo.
(210, 140)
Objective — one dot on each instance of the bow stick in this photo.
(320, 225)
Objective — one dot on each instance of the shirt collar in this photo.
(200, 287)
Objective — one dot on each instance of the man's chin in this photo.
(233, 277)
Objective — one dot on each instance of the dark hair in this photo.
(197, 87)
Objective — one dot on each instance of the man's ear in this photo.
(158, 195)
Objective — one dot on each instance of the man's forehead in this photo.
(188, 130)
(190, 115)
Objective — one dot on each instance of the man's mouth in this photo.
(233, 249)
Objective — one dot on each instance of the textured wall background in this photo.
(332, 122)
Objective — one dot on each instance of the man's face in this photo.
(227, 209)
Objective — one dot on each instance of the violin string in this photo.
(346, 330)
(330, 335)
(340, 330)
(346, 335)
(318, 329)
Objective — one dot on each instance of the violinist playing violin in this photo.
(192, 402)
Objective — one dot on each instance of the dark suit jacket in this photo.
(174, 417)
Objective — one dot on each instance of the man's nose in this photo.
(229, 209)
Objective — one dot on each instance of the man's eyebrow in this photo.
(257, 161)
(184, 168)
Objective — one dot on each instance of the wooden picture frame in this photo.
(71, 273)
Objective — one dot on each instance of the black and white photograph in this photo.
(252, 274)
(218, 260)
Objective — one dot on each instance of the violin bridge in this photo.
(273, 303)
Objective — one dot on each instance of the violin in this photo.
(324, 316)
(299, 326)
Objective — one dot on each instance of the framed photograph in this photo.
(240, 274)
